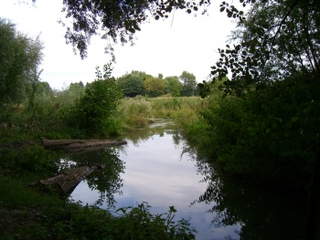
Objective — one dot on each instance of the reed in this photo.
(180, 109)
(135, 112)
(138, 112)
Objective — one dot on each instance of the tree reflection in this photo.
(142, 135)
(107, 180)
(262, 213)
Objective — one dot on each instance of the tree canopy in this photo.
(174, 86)
(20, 57)
(117, 20)
(275, 40)
(189, 83)
(267, 126)
(154, 86)
(132, 84)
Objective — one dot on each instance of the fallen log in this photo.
(66, 180)
(80, 145)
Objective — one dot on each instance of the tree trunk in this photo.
(80, 145)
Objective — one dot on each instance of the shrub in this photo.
(28, 159)
(92, 114)
(268, 137)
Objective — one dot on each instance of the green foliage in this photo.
(19, 58)
(268, 138)
(34, 160)
(14, 193)
(92, 114)
(274, 41)
(189, 84)
(174, 86)
(139, 223)
(58, 220)
(107, 71)
(118, 20)
(40, 108)
(154, 86)
(132, 84)
(176, 108)
(197, 132)
(139, 111)
(135, 112)
(70, 95)
(265, 128)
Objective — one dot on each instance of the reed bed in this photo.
(135, 112)
(139, 111)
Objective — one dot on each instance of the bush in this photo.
(90, 222)
(269, 137)
(34, 160)
(92, 114)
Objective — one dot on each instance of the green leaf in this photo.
(250, 129)
(289, 124)
(295, 119)
(172, 209)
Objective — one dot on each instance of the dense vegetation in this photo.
(139, 83)
(258, 121)
(95, 110)
(264, 127)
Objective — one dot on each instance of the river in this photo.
(157, 166)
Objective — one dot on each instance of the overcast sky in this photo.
(183, 42)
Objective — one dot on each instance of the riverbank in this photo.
(32, 213)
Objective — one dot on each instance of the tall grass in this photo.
(138, 112)
(167, 107)
(135, 112)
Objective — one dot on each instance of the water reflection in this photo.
(159, 127)
(158, 166)
(261, 213)
(107, 181)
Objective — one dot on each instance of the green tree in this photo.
(275, 62)
(277, 39)
(189, 83)
(100, 101)
(20, 57)
(154, 86)
(131, 84)
(173, 85)
(94, 113)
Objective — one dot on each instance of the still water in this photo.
(157, 166)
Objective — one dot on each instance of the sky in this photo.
(183, 42)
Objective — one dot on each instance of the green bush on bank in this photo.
(28, 160)
(267, 137)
